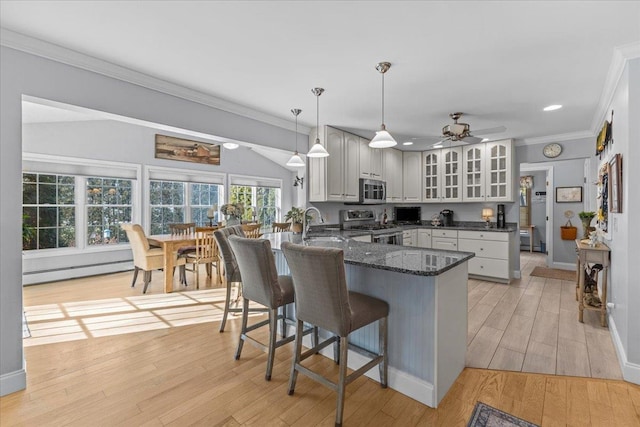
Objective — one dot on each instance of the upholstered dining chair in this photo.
(205, 252)
(145, 257)
(231, 269)
(279, 227)
(262, 284)
(322, 299)
(252, 231)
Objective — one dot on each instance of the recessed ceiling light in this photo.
(407, 143)
(230, 145)
(552, 107)
(437, 145)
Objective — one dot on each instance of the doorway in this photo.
(536, 204)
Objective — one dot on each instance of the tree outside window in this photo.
(109, 203)
(262, 204)
(204, 197)
(167, 201)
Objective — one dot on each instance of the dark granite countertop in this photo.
(401, 259)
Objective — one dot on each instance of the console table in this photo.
(598, 254)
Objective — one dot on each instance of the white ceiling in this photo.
(498, 62)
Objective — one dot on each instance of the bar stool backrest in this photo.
(320, 286)
(231, 270)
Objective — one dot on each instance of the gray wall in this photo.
(26, 74)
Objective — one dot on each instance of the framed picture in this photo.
(568, 194)
(186, 150)
(615, 184)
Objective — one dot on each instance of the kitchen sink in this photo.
(325, 239)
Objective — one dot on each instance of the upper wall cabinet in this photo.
(411, 176)
(392, 173)
(334, 178)
(487, 172)
(443, 175)
(370, 160)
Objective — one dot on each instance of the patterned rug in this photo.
(554, 273)
(487, 416)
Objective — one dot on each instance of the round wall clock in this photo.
(552, 150)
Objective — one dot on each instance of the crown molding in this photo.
(34, 46)
(558, 138)
(621, 55)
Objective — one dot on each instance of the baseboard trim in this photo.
(417, 389)
(72, 273)
(630, 371)
(13, 381)
(565, 265)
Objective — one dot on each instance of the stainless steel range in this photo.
(365, 219)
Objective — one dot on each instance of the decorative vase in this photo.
(586, 227)
(296, 227)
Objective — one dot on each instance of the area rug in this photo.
(554, 273)
(487, 416)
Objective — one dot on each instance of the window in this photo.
(262, 204)
(109, 202)
(48, 209)
(168, 203)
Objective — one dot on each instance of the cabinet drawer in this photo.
(489, 267)
(444, 233)
(484, 235)
(485, 248)
(444, 243)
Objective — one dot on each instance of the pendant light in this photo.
(383, 139)
(317, 150)
(295, 160)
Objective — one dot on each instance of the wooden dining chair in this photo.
(178, 229)
(205, 253)
(252, 231)
(279, 227)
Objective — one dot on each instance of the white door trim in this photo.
(532, 167)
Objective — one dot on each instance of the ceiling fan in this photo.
(462, 132)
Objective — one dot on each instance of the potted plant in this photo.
(295, 216)
(586, 218)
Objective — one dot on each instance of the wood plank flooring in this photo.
(115, 357)
(531, 325)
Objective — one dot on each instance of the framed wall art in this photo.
(186, 150)
(615, 184)
(568, 194)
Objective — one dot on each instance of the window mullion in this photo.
(80, 200)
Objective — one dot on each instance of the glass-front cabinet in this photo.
(443, 175)
(487, 172)
(431, 176)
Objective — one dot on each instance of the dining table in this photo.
(170, 243)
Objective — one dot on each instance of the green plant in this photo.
(587, 215)
(295, 215)
(27, 232)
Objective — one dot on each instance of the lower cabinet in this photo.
(410, 237)
(492, 253)
(444, 239)
(424, 238)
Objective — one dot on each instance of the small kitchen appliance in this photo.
(370, 192)
(447, 217)
(500, 221)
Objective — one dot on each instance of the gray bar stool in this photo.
(231, 270)
(322, 299)
(262, 284)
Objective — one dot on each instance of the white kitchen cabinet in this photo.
(334, 178)
(444, 239)
(392, 173)
(410, 237)
(492, 253)
(370, 160)
(411, 176)
(366, 238)
(424, 238)
(442, 175)
(487, 172)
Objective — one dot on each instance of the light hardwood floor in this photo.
(531, 325)
(130, 360)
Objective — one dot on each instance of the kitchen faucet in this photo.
(305, 226)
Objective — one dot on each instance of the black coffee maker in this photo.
(447, 218)
(500, 223)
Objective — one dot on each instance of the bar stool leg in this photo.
(296, 357)
(273, 332)
(382, 344)
(243, 328)
(227, 302)
(344, 349)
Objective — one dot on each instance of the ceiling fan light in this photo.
(317, 150)
(230, 145)
(383, 139)
(552, 107)
(295, 161)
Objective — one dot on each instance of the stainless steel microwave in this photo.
(372, 192)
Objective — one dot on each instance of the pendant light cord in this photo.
(296, 133)
(383, 100)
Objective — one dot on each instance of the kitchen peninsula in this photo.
(427, 293)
